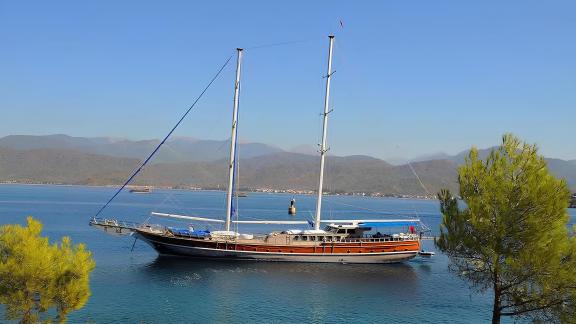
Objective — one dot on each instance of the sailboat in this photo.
(340, 241)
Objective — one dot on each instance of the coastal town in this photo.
(266, 190)
(258, 190)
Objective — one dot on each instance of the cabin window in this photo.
(296, 238)
(304, 238)
(312, 238)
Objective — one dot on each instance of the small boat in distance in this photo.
(140, 190)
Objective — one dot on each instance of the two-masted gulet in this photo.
(341, 241)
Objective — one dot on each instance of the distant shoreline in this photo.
(259, 190)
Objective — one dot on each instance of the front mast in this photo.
(323, 148)
(230, 194)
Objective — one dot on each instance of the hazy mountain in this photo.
(432, 156)
(300, 171)
(304, 149)
(61, 166)
(175, 150)
(187, 161)
(563, 169)
(460, 158)
(396, 160)
(278, 171)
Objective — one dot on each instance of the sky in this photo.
(412, 77)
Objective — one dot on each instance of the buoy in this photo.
(292, 208)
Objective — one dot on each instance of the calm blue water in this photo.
(138, 286)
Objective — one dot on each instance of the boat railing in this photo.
(114, 223)
(234, 239)
(260, 237)
(380, 239)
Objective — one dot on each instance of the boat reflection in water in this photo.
(217, 291)
(369, 279)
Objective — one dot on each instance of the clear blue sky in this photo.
(413, 77)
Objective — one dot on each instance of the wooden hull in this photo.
(374, 252)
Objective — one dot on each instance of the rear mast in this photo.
(323, 148)
(233, 139)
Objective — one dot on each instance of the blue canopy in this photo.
(187, 232)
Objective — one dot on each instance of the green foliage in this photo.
(512, 235)
(36, 276)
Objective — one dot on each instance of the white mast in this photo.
(323, 148)
(231, 175)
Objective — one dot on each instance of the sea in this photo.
(133, 284)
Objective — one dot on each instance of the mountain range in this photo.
(179, 149)
(202, 163)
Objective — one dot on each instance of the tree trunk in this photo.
(26, 318)
(496, 309)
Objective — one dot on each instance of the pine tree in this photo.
(510, 235)
(36, 276)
